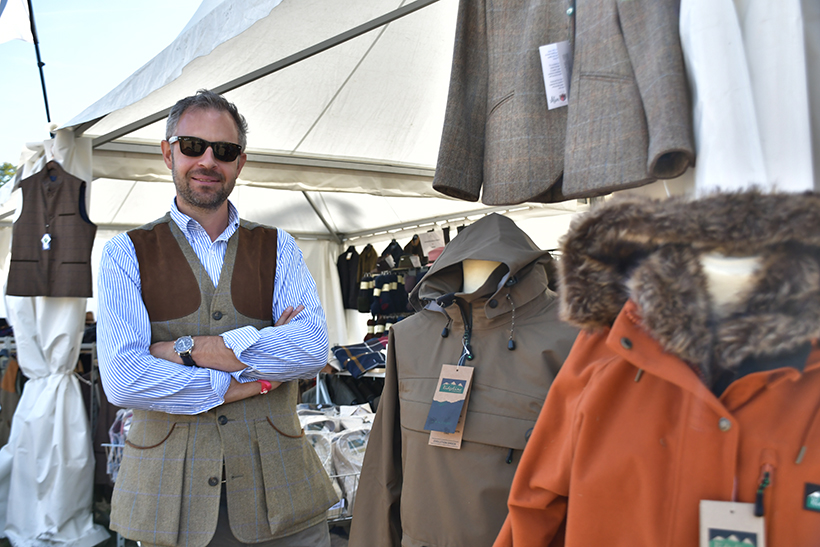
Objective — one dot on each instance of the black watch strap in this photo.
(187, 359)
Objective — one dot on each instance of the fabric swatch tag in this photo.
(556, 64)
(730, 524)
(449, 398)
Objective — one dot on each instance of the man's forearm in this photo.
(208, 352)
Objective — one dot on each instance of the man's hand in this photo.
(287, 315)
(237, 391)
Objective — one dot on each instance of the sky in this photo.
(88, 47)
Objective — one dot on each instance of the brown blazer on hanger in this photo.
(628, 121)
(629, 110)
(498, 131)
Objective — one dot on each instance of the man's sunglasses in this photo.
(195, 147)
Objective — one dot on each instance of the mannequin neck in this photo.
(476, 273)
(727, 278)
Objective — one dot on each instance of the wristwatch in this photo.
(183, 347)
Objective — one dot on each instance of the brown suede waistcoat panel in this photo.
(160, 251)
(167, 491)
(52, 205)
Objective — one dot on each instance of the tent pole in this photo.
(333, 234)
(40, 63)
(274, 67)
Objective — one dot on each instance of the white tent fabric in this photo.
(365, 115)
(47, 467)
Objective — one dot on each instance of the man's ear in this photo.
(243, 157)
(166, 154)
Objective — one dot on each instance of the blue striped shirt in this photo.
(133, 378)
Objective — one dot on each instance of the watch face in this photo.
(184, 344)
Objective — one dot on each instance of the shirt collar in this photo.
(187, 224)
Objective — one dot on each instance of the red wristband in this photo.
(266, 386)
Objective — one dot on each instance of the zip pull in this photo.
(765, 481)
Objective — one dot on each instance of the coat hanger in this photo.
(53, 169)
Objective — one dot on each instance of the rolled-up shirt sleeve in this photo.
(288, 352)
(131, 376)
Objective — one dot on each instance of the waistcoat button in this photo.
(626, 343)
(725, 424)
(493, 303)
(222, 420)
(217, 315)
(213, 481)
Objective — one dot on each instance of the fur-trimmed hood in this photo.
(648, 251)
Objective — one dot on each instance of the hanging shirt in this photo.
(132, 377)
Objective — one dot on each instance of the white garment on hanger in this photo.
(746, 62)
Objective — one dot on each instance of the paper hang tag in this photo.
(556, 64)
(450, 396)
(730, 524)
(448, 410)
(431, 240)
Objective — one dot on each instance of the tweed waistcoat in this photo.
(54, 204)
(168, 487)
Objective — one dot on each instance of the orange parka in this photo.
(661, 404)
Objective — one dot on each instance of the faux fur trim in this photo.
(648, 251)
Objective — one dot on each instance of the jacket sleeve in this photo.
(539, 493)
(650, 31)
(377, 513)
(297, 350)
(460, 165)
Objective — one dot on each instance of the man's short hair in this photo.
(207, 100)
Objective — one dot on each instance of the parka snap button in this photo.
(213, 481)
(626, 343)
(222, 420)
(493, 303)
(725, 424)
(217, 315)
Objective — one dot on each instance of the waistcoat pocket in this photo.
(297, 487)
(147, 495)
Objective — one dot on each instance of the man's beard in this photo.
(208, 200)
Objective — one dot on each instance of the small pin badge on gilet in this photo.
(448, 410)
(46, 241)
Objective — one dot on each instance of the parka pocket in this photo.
(147, 495)
(297, 488)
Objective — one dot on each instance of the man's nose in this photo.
(207, 159)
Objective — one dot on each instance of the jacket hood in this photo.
(649, 251)
(493, 237)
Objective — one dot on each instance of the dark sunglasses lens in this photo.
(195, 147)
(192, 146)
(225, 151)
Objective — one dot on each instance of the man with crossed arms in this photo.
(215, 454)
